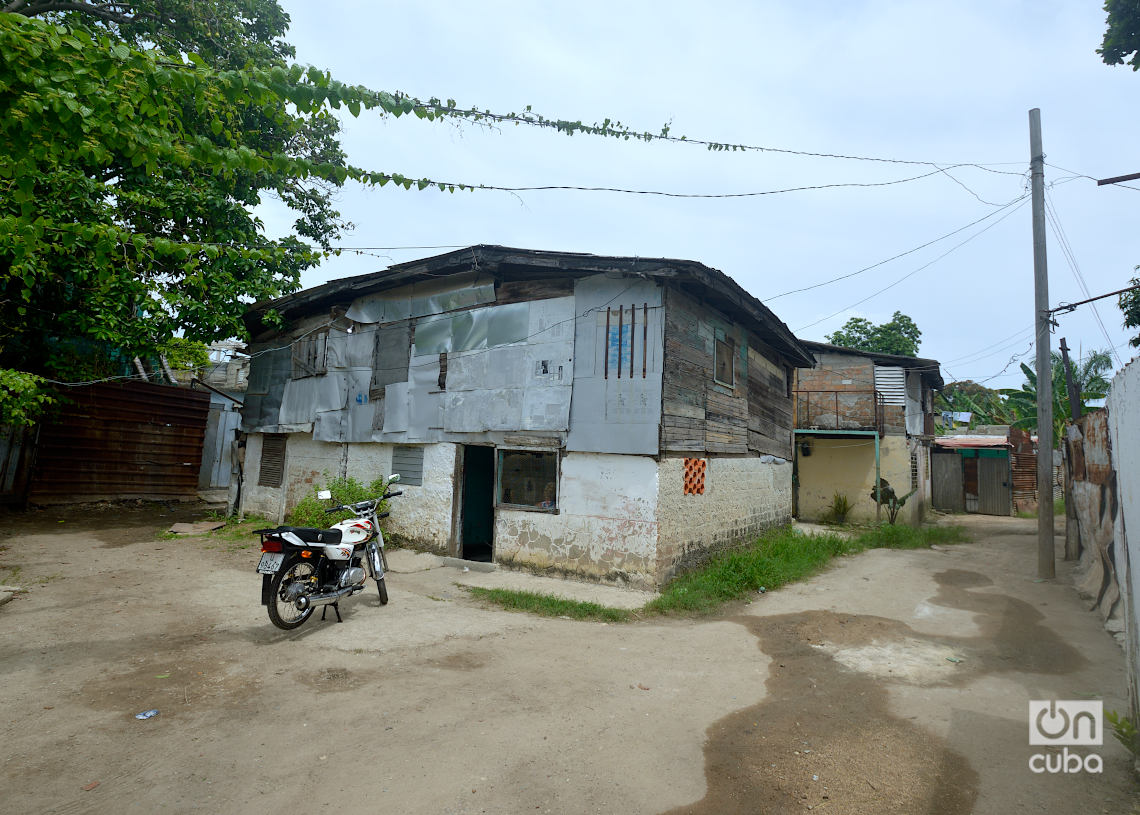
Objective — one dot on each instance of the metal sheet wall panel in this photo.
(993, 486)
(122, 440)
(948, 491)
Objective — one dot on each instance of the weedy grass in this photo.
(777, 558)
(310, 510)
(546, 605)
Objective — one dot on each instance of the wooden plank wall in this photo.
(700, 415)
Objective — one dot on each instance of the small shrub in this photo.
(839, 510)
(310, 510)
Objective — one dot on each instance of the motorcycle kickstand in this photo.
(335, 607)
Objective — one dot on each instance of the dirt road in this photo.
(897, 682)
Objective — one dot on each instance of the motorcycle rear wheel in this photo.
(284, 613)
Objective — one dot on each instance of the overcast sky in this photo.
(949, 83)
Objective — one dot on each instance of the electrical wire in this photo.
(1016, 206)
(894, 257)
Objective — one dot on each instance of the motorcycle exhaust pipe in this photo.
(312, 600)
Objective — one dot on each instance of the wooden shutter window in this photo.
(272, 471)
(309, 355)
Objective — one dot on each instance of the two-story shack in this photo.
(862, 415)
(611, 417)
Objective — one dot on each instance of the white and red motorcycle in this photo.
(302, 568)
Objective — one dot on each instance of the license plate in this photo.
(270, 562)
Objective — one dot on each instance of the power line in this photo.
(894, 257)
(1020, 202)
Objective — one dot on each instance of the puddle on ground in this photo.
(824, 736)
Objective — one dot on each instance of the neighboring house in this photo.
(611, 417)
(858, 413)
(992, 471)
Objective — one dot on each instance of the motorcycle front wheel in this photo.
(383, 589)
(283, 611)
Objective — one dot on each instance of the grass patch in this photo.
(777, 558)
(547, 606)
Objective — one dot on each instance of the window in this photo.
(528, 479)
(408, 461)
(309, 355)
(724, 372)
(272, 470)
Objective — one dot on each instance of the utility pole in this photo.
(1046, 567)
(1072, 528)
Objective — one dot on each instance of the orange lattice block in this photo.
(695, 476)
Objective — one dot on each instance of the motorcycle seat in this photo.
(311, 535)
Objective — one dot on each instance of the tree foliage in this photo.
(1088, 377)
(1121, 45)
(1130, 304)
(898, 336)
(987, 405)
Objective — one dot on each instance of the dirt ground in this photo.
(895, 682)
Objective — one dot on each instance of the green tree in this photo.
(1088, 377)
(1130, 304)
(1121, 44)
(899, 336)
(987, 405)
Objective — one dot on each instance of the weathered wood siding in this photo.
(700, 415)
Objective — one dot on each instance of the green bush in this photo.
(310, 510)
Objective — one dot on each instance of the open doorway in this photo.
(477, 535)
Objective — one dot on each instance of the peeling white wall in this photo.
(743, 496)
(606, 526)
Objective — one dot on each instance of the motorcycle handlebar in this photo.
(359, 505)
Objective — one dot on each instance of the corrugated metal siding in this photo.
(891, 383)
(1023, 466)
(122, 440)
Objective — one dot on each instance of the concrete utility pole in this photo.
(1046, 566)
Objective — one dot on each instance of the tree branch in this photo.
(111, 12)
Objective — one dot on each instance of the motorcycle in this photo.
(302, 568)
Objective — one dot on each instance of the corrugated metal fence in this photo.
(121, 440)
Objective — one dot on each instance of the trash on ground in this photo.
(955, 660)
(147, 714)
(196, 528)
(91, 786)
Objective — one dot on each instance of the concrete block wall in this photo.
(606, 526)
(308, 464)
(743, 497)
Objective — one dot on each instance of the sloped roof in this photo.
(711, 285)
(929, 368)
(971, 442)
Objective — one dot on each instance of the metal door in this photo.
(949, 494)
(993, 486)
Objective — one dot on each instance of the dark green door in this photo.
(478, 530)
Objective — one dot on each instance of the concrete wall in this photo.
(422, 514)
(743, 496)
(847, 465)
(606, 526)
(1124, 431)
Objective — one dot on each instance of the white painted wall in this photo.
(743, 496)
(606, 526)
(1123, 407)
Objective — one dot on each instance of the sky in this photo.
(941, 84)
